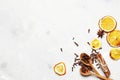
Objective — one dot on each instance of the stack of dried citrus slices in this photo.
(108, 24)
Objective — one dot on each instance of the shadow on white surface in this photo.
(4, 76)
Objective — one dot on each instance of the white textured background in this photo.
(33, 31)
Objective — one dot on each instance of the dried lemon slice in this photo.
(113, 38)
(60, 68)
(115, 53)
(107, 23)
(95, 44)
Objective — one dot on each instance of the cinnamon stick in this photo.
(104, 66)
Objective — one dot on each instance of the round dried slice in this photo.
(60, 68)
(95, 44)
(115, 53)
(113, 38)
(107, 23)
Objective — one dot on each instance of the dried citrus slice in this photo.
(107, 23)
(95, 44)
(113, 38)
(115, 53)
(60, 68)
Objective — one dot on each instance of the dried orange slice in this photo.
(60, 68)
(113, 38)
(95, 44)
(107, 23)
(115, 53)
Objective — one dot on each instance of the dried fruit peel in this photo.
(60, 68)
(115, 53)
(95, 44)
(107, 23)
(113, 38)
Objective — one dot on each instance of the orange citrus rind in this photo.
(115, 53)
(95, 43)
(113, 38)
(107, 23)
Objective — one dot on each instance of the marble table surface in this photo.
(33, 31)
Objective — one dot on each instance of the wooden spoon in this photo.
(86, 59)
(86, 72)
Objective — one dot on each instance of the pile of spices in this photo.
(86, 62)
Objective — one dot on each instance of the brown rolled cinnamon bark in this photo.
(104, 66)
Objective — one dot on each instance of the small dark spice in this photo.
(100, 33)
(89, 68)
(72, 68)
(76, 55)
(95, 61)
(88, 43)
(98, 67)
(84, 69)
(94, 51)
(73, 38)
(61, 49)
(92, 61)
(97, 64)
(76, 64)
(88, 30)
(76, 44)
(100, 48)
(76, 59)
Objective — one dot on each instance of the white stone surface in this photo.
(33, 31)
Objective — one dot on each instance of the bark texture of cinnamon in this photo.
(104, 66)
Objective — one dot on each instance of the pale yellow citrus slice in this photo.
(60, 68)
(115, 53)
(113, 38)
(107, 23)
(95, 43)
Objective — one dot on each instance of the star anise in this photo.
(100, 33)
